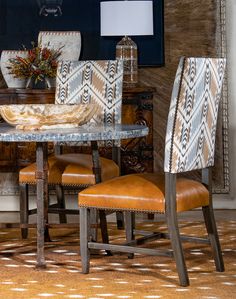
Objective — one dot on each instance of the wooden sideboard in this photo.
(137, 107)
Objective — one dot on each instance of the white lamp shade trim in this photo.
(119, 18)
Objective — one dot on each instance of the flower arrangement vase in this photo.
(10, 80)
(33, 84)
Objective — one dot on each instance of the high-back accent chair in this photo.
(190, 144)
(79, 82)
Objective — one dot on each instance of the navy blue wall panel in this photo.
(20, 23)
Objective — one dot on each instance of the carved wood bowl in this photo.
(47, 116)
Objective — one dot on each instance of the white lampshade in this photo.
(119, 18)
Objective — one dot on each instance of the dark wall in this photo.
(20, 24)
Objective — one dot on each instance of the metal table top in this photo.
(83, 133)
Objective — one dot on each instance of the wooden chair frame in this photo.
(173, 233)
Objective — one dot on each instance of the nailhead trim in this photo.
(123, 209)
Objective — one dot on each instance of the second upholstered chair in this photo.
(85, 82)
(189, 145)
(79, 82)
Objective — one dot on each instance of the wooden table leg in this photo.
(42, 198)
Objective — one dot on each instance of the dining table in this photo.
(92, 134)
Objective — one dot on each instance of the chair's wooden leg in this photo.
(103, 226)
(24, 209)
(61, 203)
(104, 231)
(213, 237)
(178, 251)
(172, 223)
(129, 228)
(94, 220)
(150, 216)
(84, 238)
(120, 220)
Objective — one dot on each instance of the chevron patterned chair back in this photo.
(97, 82)
(191, 129)
(190, 143)
(78, 82)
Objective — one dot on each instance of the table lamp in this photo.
(127, 18)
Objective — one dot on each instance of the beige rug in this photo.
(115, 276)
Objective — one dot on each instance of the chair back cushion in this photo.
(191, 127)
(91, 81)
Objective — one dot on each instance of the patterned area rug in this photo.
(114, 276)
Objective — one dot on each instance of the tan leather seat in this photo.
(55, 170)
(79, 169)
(146, 194)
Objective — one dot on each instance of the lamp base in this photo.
(126, 50)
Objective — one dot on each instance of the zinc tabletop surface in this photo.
(84, 133)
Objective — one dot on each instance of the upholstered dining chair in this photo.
(189, 145)
(79, 82)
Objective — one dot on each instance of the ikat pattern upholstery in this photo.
(92, 81)
(190, 137)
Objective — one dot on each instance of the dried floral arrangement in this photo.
(40, 63)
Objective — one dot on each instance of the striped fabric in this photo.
(191, 127)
